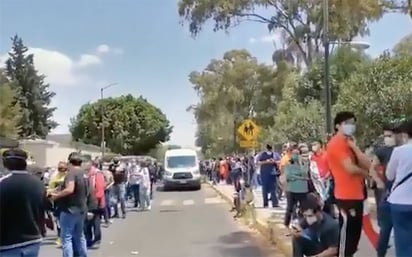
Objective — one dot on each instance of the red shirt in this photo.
(322, 163)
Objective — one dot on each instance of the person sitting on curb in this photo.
(317, 233)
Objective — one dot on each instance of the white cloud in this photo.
(63, 73)
(271, 38)
(88, 59)
(105, 49)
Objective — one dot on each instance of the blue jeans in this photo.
(108, 207)
(119, 192)
(135, 192)
(269, 188)
(72, 234)
(31, 250)
(402, 227)
(385, 221)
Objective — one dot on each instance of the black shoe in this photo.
(123, 216)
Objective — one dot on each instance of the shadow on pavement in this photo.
(239, 237)
(239, 244)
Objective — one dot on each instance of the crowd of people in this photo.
(74, 201)
(325, 186)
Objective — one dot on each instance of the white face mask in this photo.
(311, 220)
(348, 129)
(389, 141)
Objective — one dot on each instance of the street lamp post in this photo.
(102, 138)
(326, 43)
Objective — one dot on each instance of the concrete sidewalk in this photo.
(269, 222)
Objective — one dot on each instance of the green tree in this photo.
(378, 94)
(9, 110)
(32, 93)
(300, 21)
(343, 62)
(132, 125)
(404, 46)
(231, 89)
(295, 120)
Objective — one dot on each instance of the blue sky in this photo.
(84, 45)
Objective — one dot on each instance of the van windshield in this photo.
(181, 161)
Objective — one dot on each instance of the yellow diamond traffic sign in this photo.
(249, 130)
(248, 144)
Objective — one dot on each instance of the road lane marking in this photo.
(188, 202)
(214, 200)
(166, 203)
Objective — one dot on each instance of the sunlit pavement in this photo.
(180, 224)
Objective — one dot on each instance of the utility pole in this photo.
(102, 112)
(328, 91)
(234, 127)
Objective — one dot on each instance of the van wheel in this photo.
(197, 188)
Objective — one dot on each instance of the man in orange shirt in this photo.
(349, 167)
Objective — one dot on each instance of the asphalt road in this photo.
(180, 224)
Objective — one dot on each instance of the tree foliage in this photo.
(300, 21)
(32, 93)
(378, 94)
(132, 125)
(288, 103)
(9, 110)
(232, 89)
(404, 46)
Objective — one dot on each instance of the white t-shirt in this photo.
(399, 166)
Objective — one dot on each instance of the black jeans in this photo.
(292, 200)
(92, 230)
(350, 223)
(304, 247)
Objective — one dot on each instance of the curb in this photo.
(270, 230)
(273, 230)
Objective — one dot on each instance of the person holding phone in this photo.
(316, 234)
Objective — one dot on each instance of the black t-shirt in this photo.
(77, 201)
(119, 173)
(384, 155)
(325, 232)
(22, 206)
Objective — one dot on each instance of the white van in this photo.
(181, 169)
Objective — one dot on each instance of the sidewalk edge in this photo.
(263, 227)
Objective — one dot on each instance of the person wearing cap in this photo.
(22, 208)
(73, 207)
(399, 171)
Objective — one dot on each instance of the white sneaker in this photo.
(149, 207)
